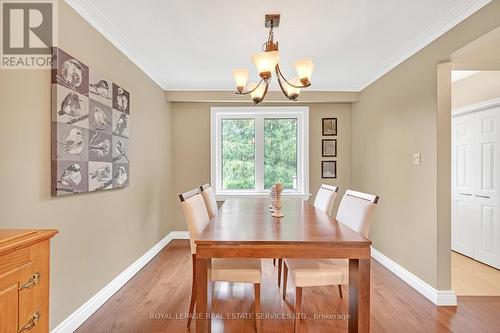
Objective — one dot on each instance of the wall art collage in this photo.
(90, 129)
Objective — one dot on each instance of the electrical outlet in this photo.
(417, 159)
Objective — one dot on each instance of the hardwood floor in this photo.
(472, 278)
(157, 298)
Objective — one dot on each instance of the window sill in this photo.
(222, 196)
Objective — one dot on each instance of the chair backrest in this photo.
(195, 214)
(356, 211)
(325, 198)
(208, 195)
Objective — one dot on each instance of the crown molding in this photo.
(272, 97)
(460, 12)
(97, 20)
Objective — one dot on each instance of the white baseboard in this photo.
(438, 297)
(71, 323)
(179, 235)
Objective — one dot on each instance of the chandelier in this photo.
(266, 62)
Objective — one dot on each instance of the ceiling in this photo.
(193, 44)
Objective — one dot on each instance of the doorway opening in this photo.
(475, 168)
(475, 219)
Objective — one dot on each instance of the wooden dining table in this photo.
(244, 228)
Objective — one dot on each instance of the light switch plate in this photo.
(417, 159)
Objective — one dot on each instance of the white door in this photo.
(486, 194)
(463, 185)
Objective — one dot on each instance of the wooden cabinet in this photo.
(24, 280)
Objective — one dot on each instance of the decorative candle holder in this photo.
(273, 198)
(278, 187)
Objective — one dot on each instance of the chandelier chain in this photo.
(270, 38)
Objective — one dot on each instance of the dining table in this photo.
(244, 228)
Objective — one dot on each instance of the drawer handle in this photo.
(467, 194)
(482, 196)
(31, 323)
(32, 281)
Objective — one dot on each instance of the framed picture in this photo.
(328, 169)
(90, 129)
(329, 126)
(329, 148)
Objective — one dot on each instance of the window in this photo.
(238, 154)
(254, 147)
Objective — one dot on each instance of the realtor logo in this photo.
(28, 33)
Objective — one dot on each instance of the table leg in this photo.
(204, 296)
(359, 295)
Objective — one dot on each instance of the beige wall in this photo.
(191, 131)
(479, 87)
(100, 233)
(396, 116)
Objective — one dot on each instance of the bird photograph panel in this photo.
(71, 177)
(72, 143)
(121, 124)
(100, 88)
(120, 175)
(121, 99)
(100, 146)
(100, 117)
(71, 73)
(71, 107)
(120, 150)
(100, 176)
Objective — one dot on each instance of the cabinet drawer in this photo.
(13, 260)
(34, 289)
(13, 289)
(24, 280)
(24, 294)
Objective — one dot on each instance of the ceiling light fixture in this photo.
(266, 62)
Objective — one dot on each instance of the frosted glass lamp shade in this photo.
(304, 69)
(292, 92)
(266, 62)
(258, 94)
(240, 76)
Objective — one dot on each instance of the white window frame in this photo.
(259, 114)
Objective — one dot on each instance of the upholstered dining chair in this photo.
(355, 211)
(208, 195)
(325, 198)
(229, 270)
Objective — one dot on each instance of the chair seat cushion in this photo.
(322, 272)
(237, 270)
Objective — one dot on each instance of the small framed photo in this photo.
(328, 169)
(329, 126)
(329, 148)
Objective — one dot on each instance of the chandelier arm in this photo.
(265, 93)
(278, 70)
(281, 84)
(249, 91)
